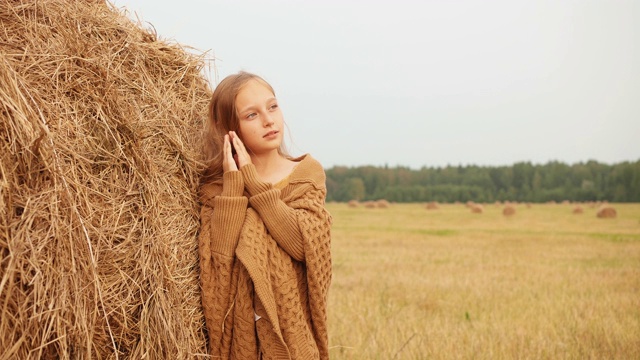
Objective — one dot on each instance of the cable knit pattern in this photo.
(266, 249)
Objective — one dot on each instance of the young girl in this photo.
(264, 244)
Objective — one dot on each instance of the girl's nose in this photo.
(268, 120)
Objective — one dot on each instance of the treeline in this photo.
(525, 182)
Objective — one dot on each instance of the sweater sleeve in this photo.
(283, 220)
(222, 215)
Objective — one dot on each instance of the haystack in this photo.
(382, 204)
(578, 210)
(99, 165)
(370, 204)
(509, 210)
(432, 205)
(607, 212)
(477, 209)
(353, 203)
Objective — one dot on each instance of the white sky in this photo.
(431, 82)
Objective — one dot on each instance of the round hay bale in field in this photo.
(432, 205)
(509, 210)
(382, 204)
(477, 209)
(370, 204)
(469, 204)
(607, 212)
(353, 203)
(100, 128)
(578, 210)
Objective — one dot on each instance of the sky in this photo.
(429, 83)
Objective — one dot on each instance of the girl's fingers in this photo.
(239, 146)
(228, 162)
(242, 154)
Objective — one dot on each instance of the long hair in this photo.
(223, 117)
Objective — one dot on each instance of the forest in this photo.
(522, 182)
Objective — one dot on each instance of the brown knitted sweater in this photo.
(265, 252)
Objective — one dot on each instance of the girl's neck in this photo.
(268, 164)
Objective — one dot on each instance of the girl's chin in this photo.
(265, 150)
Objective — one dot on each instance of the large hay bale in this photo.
(353, 203)
(382, 204)
(99, 165)
(477, 208)
(607, 212)
(578, 209)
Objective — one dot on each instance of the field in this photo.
(412, 283)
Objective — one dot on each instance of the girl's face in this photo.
(260, 118)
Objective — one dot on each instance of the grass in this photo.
(412, 283)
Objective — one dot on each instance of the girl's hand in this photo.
(228, 162)
(242, 156)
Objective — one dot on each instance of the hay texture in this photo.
(99, 133)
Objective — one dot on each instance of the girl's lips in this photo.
(271, 133)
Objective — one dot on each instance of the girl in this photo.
(264, 244)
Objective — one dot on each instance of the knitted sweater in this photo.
(265, 254)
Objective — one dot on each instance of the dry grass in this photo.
(410, 284)
(99, 146)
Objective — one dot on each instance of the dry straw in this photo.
(99, 164)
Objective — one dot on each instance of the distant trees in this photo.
(523, 181)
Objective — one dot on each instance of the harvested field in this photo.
(448, 284)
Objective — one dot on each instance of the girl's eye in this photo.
(251, 115)
(274, 106)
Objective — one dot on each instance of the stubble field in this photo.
(412, 283)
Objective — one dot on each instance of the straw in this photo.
(100, 130)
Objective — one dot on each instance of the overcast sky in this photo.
(432, 82)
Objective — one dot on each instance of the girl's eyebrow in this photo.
(251, 107)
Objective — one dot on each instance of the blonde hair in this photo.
(223, 117)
